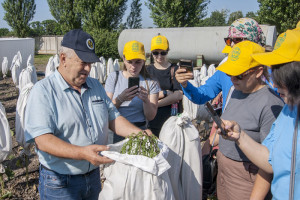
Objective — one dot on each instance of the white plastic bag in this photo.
(110, 66)
(185, 157)
(50, 68)
(20, 117)
(5, 137)
(4, 67)
(116, 65)
(94, 71)
(136, 177)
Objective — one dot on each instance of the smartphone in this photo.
(215, 117)
(186, 64)
(132, 81)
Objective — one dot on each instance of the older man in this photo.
(67, 116)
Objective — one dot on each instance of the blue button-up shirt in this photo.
(80, 119)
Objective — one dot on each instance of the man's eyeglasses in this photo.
(229, 40)
(163, 53)
(243, 75)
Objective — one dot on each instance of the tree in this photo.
(4, 32)
(18, 15)
(51, 27)
(177, 13)
(64, 13)
(134, 19)
(37, 29)
(101, 14)
(253, 15)
(234, 16)
(284, 14)
(217, 18)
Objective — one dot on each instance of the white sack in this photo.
(27, 76)
(4, 67)
(102, 60)
(182, 138)
(20, 59)
(15, 72)
(20, 117)
(50, 68)
(116, 65)
(110, 66)
(135, 177)
(94, 71)
(102, 72)
(56, 60)
(5, 136)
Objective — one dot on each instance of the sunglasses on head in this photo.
(243, 75)
(163, 53)
(229, 40)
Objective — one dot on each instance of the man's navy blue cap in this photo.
(82, 43)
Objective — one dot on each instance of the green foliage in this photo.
(101, 14)
(217, 18)
(234, 16)
(284, 14)
(18, 14)
(134, 19)
(64, 13)
(4, 32)
(177, 13)
(106, 42)
(36, 29)
(141, 144)
(51, 27)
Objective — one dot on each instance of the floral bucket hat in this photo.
(247, 28)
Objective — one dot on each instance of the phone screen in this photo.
(132, 81)
(215, 117)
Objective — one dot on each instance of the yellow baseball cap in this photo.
(134, 50)
(286, 49)
(239, 59)
(159, 42)
(226, 49)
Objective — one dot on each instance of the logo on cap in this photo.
(135, 47)
(279, 41)
(235, 54)
(90, 44)
(158, 40)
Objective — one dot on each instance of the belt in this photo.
(86, 174)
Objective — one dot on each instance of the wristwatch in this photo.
(165, 93)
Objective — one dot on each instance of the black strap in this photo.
(293, 160)
(116, 80)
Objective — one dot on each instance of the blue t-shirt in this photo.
(279, 143)
(79, 119)
(133, 110)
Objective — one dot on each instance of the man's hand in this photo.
(91, 153)
(182, 76)
(232, 129)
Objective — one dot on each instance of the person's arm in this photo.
(261, 186)
(255, 152)
(59, 148)
(127, 95)
(206, 92)
(123, 127)
(209, 141)
(172, 97)
(149, 103)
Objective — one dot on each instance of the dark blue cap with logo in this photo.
(82, 43)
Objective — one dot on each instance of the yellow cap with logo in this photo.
(239, 59)
(134, 50)
(286, 49)
(159, 42)
(226, 49)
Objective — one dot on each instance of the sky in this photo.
(43, 12)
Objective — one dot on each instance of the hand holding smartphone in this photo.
(187, 65)
(215, 117)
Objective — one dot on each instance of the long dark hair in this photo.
(288, 76)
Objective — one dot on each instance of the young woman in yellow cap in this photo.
(164, 72)
(255, 107)
(137, 104)
(279, 152)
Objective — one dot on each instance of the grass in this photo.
(41, 59)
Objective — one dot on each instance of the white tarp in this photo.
(135, 177)
(5, 137)
(4, 67)
(20, 117)
(185, 157)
